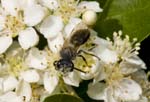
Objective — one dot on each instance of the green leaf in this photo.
(131, 16)
(63, 98)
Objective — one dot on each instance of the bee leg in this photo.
(93, 46)
(80, 51)
(83, 58)
(79, 70)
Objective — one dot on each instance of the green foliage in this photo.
(131, 16)
(63, 98)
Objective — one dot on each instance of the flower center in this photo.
(124, 47)
(15, 65)
(13, 25)
(113, 73)
(67, 9)
(85, 65)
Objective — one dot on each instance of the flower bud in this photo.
(89, 17)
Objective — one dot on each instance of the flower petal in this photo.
(103, 52)
(24, 90)
(55, 44)
(10, 83)
(1, 84)
(50, 82)
(28, 38)
(73, 22)
(30, 76)
(92, 5)
(72, 79)
(2, 22)
(31, 16)
(132, 64)
(36, 59)
(94, 71)
(10, 6)
(5, 42)
(97, 91)
(128, 90)
(51, 4)
(10, 97)
(51, 26)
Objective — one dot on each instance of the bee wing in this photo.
(77, 37)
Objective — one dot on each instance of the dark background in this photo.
(144, 53)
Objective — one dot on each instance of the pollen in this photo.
(85, 65)
(124, 46)
(15, 65)
(14, 24)
(113, 73)
(67, 9)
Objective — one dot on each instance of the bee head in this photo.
(63, 65)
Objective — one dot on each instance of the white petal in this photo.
(2, 22)
(103, 52)
(139, 76)
(50, 82)
(110, 95)
(28, 38)
(142, 99)
(10, 83)
(31, 16)
(1, 84)
(128, 90)
(97, 91)
(24, 90)
(101, 75)
(36, 59)
(55, 44)
(72, 79)
(94, 71)
(92, 5)
(10, 6)
(73, 22)
(10, 97)
(132, 64)
(30, 76)
(51, 4)
(51, 26)
(5, 42)
(136, 61)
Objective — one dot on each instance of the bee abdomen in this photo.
(80, 37)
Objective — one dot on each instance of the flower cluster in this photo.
(32, 34)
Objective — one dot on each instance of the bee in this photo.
(70, 51)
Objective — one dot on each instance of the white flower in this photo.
(17, 18)
(50, 82)
(63, 11)
(36, 59)
(9, 83)
(15, 75)
(122, 90)
(30, 76)
(5, 42)
(56, 44)
(24, 90)
(72, 79)
(90, 5)
(28, 38)
(10, 97)
(51, 26)
(120, 51)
